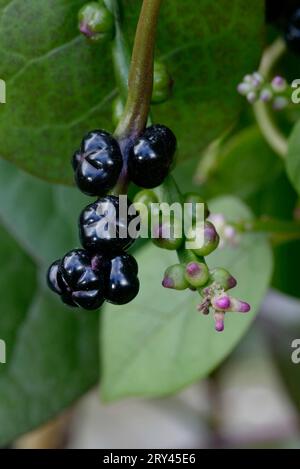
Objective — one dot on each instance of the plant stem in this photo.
(140, 80)
(265, 121)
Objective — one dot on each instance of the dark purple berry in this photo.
(76, 282)
(121, 281)
(150, 158)
(109, 225)
(98, 163)
(52, 277)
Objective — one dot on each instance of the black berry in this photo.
(108, 225)
(151, 156)
(121, 281)
(292, 32)
(98, 163)
(75, 281)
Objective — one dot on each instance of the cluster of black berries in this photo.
(286, 16)
(103, 270)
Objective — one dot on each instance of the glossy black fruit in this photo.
(292, 32)
(151, 156)
(109, 225)
(75, 281)
(98, 163)
(121, 281)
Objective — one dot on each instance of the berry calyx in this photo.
(98, 163)
(174, 277)
(111, 224)
(196, 274)
(121, 280)
(95, 21)
(74, 280)
(162, 83)
(150, 158)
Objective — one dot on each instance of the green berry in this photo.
(117, 110)
(142, 202)
(96, 22)
(193, 199)
(222, 278)
(209, 235)
(196, 274)
(167, 234)
(162, 83)
(174, 277)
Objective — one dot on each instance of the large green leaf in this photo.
(42, 217)
(208, 47)
(52, 351)
(293, 157)
(245, 165)
(52, 360)
(59, 86)
(159, 343)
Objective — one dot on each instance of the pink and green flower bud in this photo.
(279, 84)
(162, 83)
(257, 79)
(96, 22)
(221, 302)
(174, 277)
(279, 103)
(222, 278)
(196, 274)
(167, 234)
(239, 306)
(219, 321)
(251, 97)
(266, 95)
(210, 238)
(244, 88)
(192, 198)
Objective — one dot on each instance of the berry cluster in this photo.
(103, 270)
(255, 88)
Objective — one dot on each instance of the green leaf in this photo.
(246, 164)
(52, 350)
(52, 360)
(198, 42)
(293, 158)
(40, 216)
(59, 86)
(159, 343)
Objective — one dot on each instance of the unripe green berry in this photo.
(142, 202)
(196, 274)
(210, 238)
(117, 110)
(167, 234)
(96, 22)
(174, 277)
(193, 199)
(222, 278)
(162, 83)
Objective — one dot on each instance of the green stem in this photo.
(140, 79)
(120, 50)
(264, 118)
